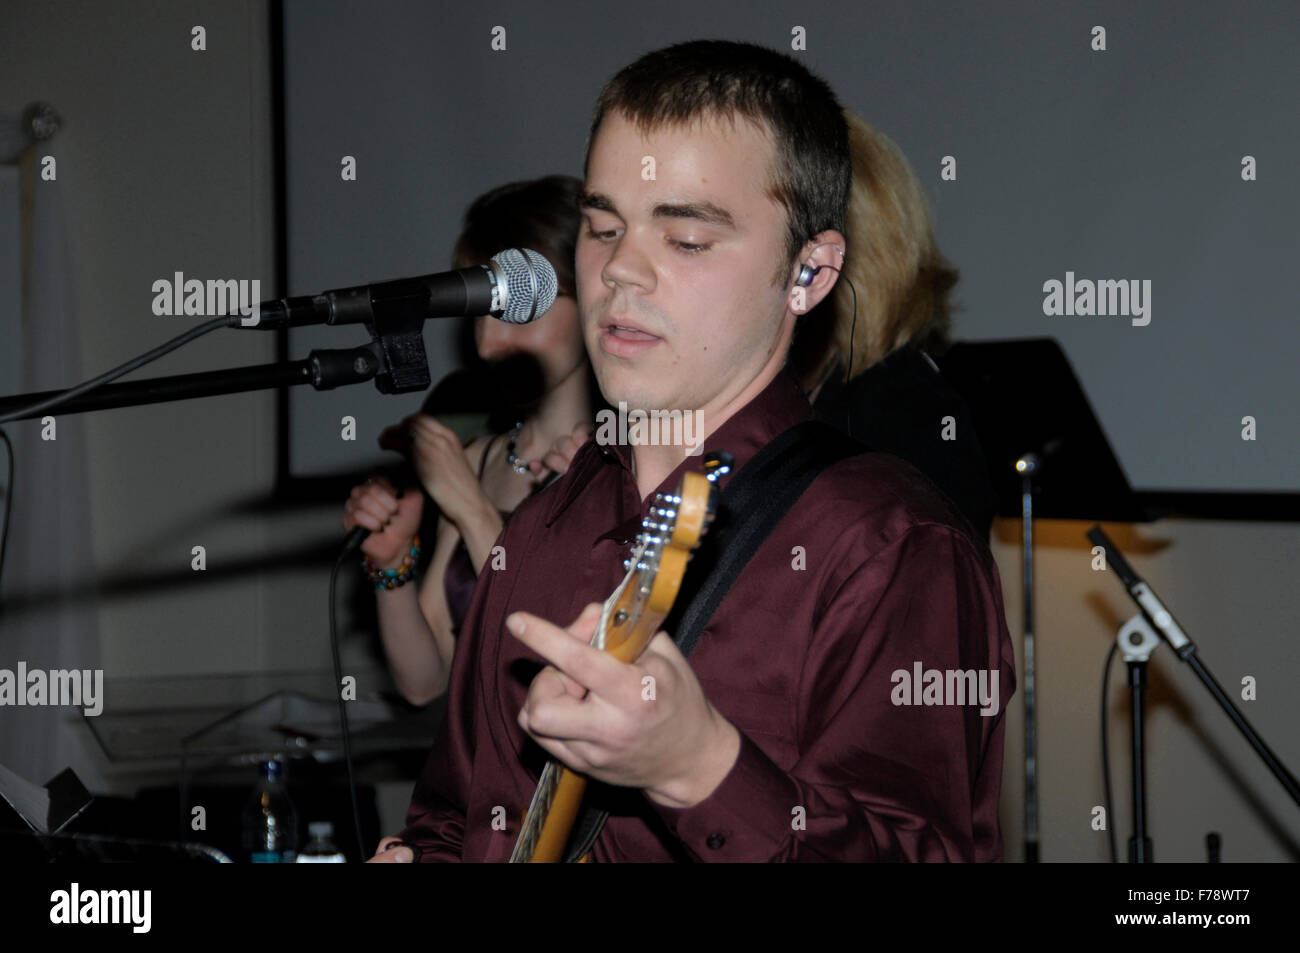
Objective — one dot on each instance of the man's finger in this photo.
(551, 712)
(584, 626)
(569, 685)
(564, 754)
(590, 667)
(392, 850)
(550, 683)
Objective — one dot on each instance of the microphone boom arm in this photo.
(322, 369)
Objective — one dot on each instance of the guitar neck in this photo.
(554, 809)
(629, 619)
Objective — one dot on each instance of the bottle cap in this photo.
(321, 829)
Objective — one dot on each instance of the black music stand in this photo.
(48, 808)
(1048, 457)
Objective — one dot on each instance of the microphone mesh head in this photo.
(530, 284)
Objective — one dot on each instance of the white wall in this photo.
(165, 164)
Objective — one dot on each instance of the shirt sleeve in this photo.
(898, 758)
(435, 820)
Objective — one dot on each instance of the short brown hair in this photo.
(719, 78)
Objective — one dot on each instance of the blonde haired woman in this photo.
(895, 399)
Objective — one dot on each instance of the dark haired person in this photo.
(477, 487)
(784, 737)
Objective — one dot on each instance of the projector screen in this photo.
(1119, 177)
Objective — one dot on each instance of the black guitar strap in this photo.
(754, 501)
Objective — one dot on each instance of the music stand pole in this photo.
(1027, 467)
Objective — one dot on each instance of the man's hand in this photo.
(389, 852)
(646, 725)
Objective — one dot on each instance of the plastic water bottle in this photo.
(270, 822)
(320, 847)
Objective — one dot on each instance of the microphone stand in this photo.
(322, 369)
(1137, 639)
(394, 359)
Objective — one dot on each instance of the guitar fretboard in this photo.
(538, 809)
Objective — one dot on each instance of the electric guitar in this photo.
(629, 619)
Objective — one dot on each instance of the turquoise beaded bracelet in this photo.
(392, 578)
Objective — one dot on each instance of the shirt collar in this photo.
(776, 408)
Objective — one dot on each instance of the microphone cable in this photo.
(338, 689)
(134, 364)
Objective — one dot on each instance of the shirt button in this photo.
(716, 841)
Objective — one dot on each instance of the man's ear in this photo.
(822, 256)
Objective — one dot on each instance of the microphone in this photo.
(354, 540)
(402, 475)
(517, 286)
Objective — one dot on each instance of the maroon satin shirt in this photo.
(870, 581)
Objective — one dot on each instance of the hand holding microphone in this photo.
(389, 516)
(392, 516)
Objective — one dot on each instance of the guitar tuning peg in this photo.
(717, 465)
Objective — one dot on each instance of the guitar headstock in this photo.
(668, 536)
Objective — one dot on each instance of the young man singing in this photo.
(715, 174)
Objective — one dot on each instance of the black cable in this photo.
(1105, 747)
(848, 373)
(9, 507)
(338, 689)
(131, 365)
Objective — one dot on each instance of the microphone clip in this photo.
(398, 310)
